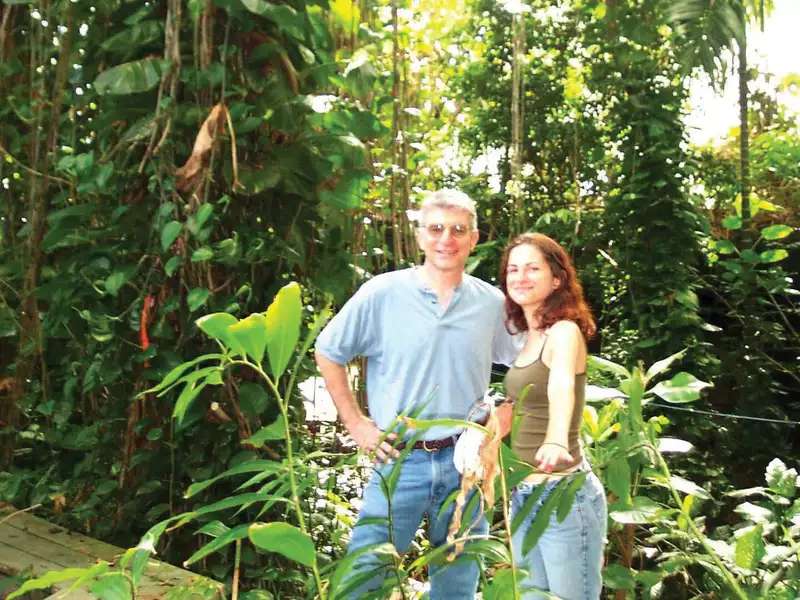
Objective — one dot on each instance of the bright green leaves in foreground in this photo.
(283, 327)
(274, 333)
(250, 335)
(250, 342)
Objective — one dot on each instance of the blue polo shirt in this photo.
(419, 354)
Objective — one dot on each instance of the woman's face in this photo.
(529, 279)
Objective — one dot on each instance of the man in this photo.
(430, 335)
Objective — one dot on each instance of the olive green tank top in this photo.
(526, 386)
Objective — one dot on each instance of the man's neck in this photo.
(441, 281)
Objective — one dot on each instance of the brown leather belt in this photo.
(431, 445)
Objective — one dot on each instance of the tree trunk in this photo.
(744, 131)
(29, 348)
(398, 166)
(518, 220)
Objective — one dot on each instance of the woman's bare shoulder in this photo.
(565, 329)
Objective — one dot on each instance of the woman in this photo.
(547, 383)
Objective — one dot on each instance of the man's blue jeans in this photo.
(567, 559)
(425, 482)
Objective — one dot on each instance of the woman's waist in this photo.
(581, 465)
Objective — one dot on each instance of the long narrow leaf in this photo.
(542, 520)
(192, 377)
(527, 507)
(250, 466)
(568, 498)
(660, 366)
(175, 373)
(237, 533)
(606, 365)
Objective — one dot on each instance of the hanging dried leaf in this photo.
(472, 477)
(191, 172)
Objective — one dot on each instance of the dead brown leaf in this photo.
(189, 175)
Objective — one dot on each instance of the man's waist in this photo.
(439, 443)
(431, 445)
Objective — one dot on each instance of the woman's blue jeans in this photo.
(567, 559)
(425, 482)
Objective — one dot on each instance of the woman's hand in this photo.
(552, 455)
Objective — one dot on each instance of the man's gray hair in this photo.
(449, 199)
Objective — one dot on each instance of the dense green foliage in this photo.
(167, 160)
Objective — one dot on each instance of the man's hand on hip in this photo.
(371, 439)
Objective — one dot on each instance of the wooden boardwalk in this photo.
(32, 546)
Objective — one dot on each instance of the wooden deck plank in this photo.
(73, 542)
(16, 560)
(29, 543)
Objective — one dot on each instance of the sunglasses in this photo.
(436, 230)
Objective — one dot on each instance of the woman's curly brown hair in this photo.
(565, 303)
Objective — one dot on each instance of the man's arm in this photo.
(360, 427)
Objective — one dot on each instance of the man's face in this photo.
(446, 238)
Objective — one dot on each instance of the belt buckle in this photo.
(425, 447)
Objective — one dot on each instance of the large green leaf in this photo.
(131, 77)
(216, 325)
(139, 34)
(618, 477)
(750, 548)
(732, 222)
(776, 232)
(660, 366)
(253, 399)
(251, 335)
(606, 365)
(644, 510)
(169, 234)
(501, 587)
(283, 327)
(682, 388)
(724, 247)
(754, 512)
(349, 190)
(285, 539)
(773, 255)
(117, 279)
(618, 577)
(688, 487)
(201, 254)
(111, 586)
(274, 431)
(285, 17)
(197, 297)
